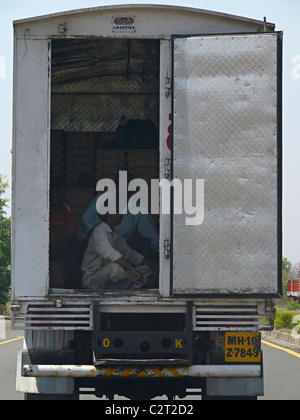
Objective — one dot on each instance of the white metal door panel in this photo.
(30, 169)
(227, 127)
(165, 155)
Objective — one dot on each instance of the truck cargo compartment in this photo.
(104, 119)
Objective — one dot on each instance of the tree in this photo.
(5, 246)
(286, 265)
(286, 268)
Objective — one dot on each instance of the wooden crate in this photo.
(109, 162)
(80, 156)
(144, 164)
(80, 198)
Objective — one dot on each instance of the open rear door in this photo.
(227, 129)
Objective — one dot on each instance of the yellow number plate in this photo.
(243, 347)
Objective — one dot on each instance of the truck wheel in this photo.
(220, 398)
(49, 397)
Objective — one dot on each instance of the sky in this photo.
(285, 14)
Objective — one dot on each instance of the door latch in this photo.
(167, 249)
(168, 87)
(167, 168)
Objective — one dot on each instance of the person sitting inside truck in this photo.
(138, 230)
(109, 263)
(64, 245)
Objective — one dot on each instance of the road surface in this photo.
(281, 369)
(8, 354)
(282, 373)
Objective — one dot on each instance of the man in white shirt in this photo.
(138, 229)
(109, 263)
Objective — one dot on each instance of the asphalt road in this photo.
(282, 373)
(8, 359)
(281, 370)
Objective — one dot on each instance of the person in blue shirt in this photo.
(138, 230)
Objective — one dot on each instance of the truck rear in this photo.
(188, 101)
(293, 289)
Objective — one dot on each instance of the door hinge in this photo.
(168, 87)
(167, 249)
(62, 28)
(167, 168)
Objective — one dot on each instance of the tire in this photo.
(50, 397)
(220, 398)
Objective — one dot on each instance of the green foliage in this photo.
(293, 306)
(286, 265)
(284, 320)
(5, 247)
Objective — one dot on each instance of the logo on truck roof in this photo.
(124, 24)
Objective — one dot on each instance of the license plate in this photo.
(243, 347)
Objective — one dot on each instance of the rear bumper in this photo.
(195, 371)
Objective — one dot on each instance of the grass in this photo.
(285, 316)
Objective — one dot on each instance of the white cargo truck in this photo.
(210, 86)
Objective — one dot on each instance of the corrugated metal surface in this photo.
(54, 316)
(225, 132)
(97, 82)
(230, 316)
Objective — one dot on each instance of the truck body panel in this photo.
(77, 76)
(293, 288)
(33, 66)
(30, 201)
(227, 135)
